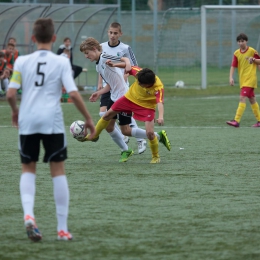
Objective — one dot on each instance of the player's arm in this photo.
(70, 87)
(234, 65)
(160, 106)
(79, 103)
(124, 62)
(95, 95)
(15, 83)
(100, 82)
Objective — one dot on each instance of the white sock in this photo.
(141, 133)
(6, 82)
(61, 198)
(118, 139)
(134, 125)
(27, 192)
(102, 113)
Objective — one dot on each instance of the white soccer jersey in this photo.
(120, 50)
(112, 76)
(41, 75)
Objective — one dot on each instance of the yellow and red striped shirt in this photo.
(246, 71)
(145, 97)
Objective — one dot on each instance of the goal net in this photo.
(197, 46)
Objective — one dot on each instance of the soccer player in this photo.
(141, 99)
(42, 75)
(67, 45)
(9, 56)
(247, 79)
(16, 53)
(117, 48)
(3, 75)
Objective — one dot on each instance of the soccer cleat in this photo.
(233, 123)
(2, 93)
(164, 139)
(65, 236)
(84, 139)
(126, 139)
(141, 146)
(125, 155)
(31, 229)
(155, 159)
(256, 124)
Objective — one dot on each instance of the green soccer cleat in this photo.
(125, 155)
(164, 139)
(155, 159)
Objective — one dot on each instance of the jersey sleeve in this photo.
(256, 55)
(159, 96)
(67, 79)
(16, 79)
(234, 62)
(134, 70)
(130, 55)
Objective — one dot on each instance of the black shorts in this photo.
(54, 146)
(123, 117)
(104, 99)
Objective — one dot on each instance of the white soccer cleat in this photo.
(141, 146)
(65, 236)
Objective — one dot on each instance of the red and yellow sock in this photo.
(255, 109)
(154, 145)
(100, 126)
(240, 111)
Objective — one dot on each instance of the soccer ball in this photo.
(179, 84)
(77, 129)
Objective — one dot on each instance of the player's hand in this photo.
(110, 63)
(90, 127)
(160, 121)
(231, 82)
(94, 97)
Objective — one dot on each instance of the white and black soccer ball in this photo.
(77, 129)
(179, 84)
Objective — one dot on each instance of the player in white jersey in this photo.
(117, 48)
(42, 75)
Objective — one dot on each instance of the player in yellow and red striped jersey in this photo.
(3, 75)
(247, 79)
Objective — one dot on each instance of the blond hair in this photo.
(90, 44)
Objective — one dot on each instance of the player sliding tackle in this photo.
(141, 100)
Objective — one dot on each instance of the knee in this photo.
(110, 128)
(150, 135)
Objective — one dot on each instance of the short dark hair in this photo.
(242, 36)
(146, 76)
(65, 39)
(11, 38)
(2, 54)
(43, 30)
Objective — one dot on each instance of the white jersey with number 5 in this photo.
(41, 76)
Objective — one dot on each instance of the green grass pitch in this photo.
(201, 202)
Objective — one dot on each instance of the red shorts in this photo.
(247, 92)
(140, 113)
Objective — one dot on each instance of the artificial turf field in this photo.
(201, 202)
